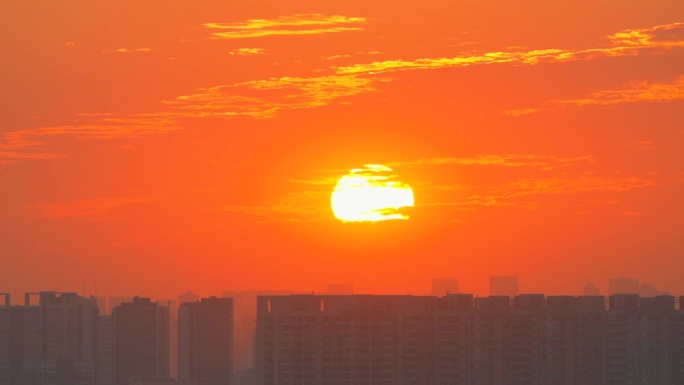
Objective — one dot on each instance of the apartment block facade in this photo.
(462, 340)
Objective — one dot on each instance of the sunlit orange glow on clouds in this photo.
(162, 146)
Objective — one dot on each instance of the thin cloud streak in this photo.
(312, 204)
(128, 50)
(301, 207)
(624, 43)
(248, 51)
(544, 162)
(300, 24)
(633, 93)
(267, 97)
(638, 92)
(255, 99)
(89, 209)
(264, 98)
(519, 193)
(22, 144)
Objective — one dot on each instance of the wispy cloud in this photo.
(264, 98)
(128, 50)
(27, 144)
(301, 24)
(636, 92)
(267, 97)
(7, 157)
(524, 192)
(632, 93)
(247, 51)
(90, 209)
(545, 162)
(623, 43)
(311, 200)
(313, 204)
(256, 99)
(302, 206)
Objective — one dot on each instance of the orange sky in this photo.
(159, 146)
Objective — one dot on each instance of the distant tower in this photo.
(141, 335)
(648, 290)
(341, 288)
(591, 289)
(623, 285)
(206, 341)
(503, 285)
(442, 286)
(187, 297)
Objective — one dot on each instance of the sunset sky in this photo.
(153, 147)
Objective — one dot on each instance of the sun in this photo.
(371, 194)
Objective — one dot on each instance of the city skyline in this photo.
(153, 148)
(260, 338)
(436, 286)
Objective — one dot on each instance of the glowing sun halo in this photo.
(370, 194)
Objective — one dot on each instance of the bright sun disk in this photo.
(371, 194)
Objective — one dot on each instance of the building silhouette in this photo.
(443, 286)
(503, 285)
(106, 350)
(340, 288)
(60, 339)
(623, 285)
(591, 289)
(11, 341)
(141, 341)
(188, 296)
(355, 339)
(245, 317)
(114, 302)
(206, 341)
(50, 340)
(173, 336)
(461, 340)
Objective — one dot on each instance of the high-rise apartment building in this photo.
(245, 316)
(355, 339)
(340, 288)
(623, 285)
(11, 341)
(444, 286)
(173, 336)
(105, 350)
(591, 289)
(206, 341)
(503, 285)
(141, 341)
(187, 297)
(60, 333)
(461, 340)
